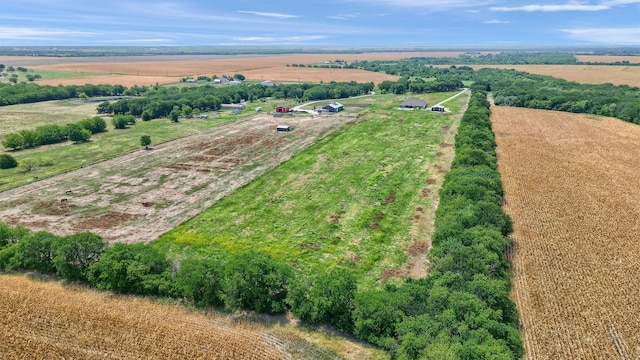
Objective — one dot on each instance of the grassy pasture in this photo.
(67, 156)
(350, 199)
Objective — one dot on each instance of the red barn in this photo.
(282, 109)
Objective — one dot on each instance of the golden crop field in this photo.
(46, 320)
(164, 69)
(571, 185)
(585, 74)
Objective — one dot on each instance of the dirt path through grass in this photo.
(141, 195)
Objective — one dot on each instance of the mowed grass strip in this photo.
(347, 200)
(55, 159)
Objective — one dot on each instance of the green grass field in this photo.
(44, 75)
(348, 200)
(68, 156)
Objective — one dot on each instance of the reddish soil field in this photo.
(571, 184)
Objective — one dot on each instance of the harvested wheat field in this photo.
(585, 74)
(608, 58)
(145, 70)
(571, 185)
(49, 321)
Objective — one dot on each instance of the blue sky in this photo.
(352, 23)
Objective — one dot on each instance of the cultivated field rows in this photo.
(571, 185)
(41, 320)
(139, 196)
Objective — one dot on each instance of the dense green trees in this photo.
(52, 134)
(29, 92)
(515, 88)
(7, 161)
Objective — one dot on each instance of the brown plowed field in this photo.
(49, 321)
(141, 195)
(169, 69)
(571, 185)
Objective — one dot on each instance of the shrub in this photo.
(7, 161)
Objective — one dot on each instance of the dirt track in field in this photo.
(139, 196)
(571, 184)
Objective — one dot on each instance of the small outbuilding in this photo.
(438, 108)
(283, 128)
(333, 107)
(232, 107)
(268, 83)
(413, 104)
(283, 109)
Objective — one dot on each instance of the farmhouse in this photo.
(282, 109)
(333, 107)
(438, 108)
(413, 104)
(283, 128)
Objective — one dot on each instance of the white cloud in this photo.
(268, 14)
(551, 8)
(37, 33)
(610, 36)
(430, 5)
(497, 22)
(281, 39)
(570, 6)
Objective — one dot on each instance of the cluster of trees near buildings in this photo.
(160, 102)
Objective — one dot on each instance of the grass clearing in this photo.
(67, 156)
(350, 199)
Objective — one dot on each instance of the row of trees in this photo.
(250, 280)
(29, 93)
(462, 310)
(515, 88)
(52, 134)
(161, 102)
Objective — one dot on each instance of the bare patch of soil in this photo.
(139, 196)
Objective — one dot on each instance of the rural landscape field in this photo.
(570, 183)
(373, 232)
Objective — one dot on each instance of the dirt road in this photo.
(139, 196)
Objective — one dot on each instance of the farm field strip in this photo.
(138, 196)
(585, 74)
(148, 70)
(45, 320)
(363, 198)
(571, 190)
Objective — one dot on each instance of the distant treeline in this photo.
(160, 102)
(516, 88)
(29, 93)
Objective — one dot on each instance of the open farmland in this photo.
(585, 74)
(608, 58)
(147, 70)
(571, 185)
(41, 320)
(159, 189)
(363, 198)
